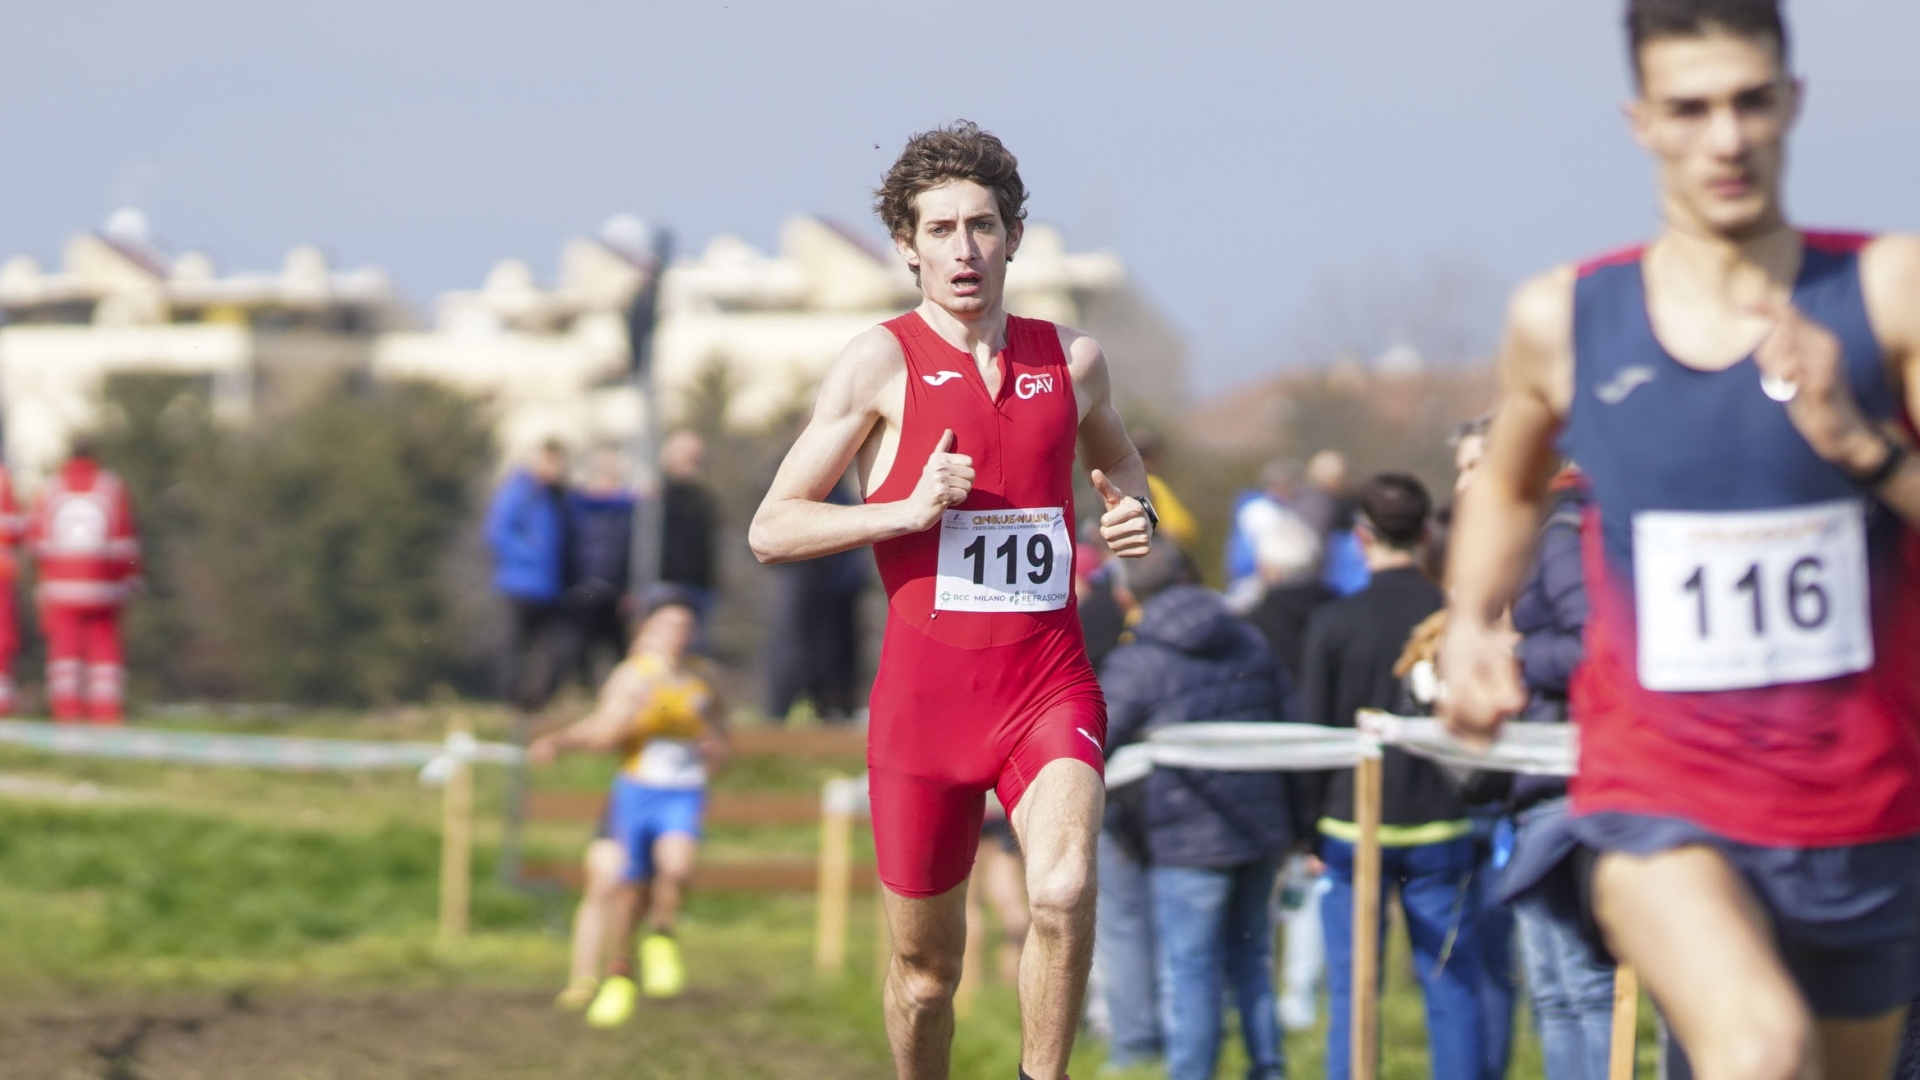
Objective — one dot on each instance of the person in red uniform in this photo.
(961, 423)
(1741, 395)
(82, 536)
(12, 528)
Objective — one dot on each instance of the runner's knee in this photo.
(1062, 896)
(925, 978)
(1768, 1042)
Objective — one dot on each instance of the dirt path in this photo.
(460, 1034)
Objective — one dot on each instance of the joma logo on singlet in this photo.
(1026, 386)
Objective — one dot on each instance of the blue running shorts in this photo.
(637, 815)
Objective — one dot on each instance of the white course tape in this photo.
(1528, 749)
(1532, 749)
(843, 795)
(251, 751)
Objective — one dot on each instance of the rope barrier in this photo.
(1531, 749)
(435, 760)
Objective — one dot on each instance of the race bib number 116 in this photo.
(1004, 560)
(1740, 600)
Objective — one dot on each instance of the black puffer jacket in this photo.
(1192, 660)
(1550, 613)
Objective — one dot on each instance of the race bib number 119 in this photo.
(1740, 600)
(1004, 560)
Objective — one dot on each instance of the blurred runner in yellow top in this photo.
(660, 710)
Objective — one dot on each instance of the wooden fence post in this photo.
(456, 832)
(1364, 1028)
(1626, 1022)
(836, 877)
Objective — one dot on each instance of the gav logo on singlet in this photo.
(1026, 386)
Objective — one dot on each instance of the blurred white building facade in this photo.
(550, 361)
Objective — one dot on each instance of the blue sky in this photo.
(1281, 176)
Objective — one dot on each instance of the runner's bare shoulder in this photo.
(858, 379)
(1086, 366)
(1538, 352)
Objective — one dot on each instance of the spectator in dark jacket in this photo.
(1568, 981)
(1211, 841)
(813, 644)
(602, 533)
(527, 530)
(690, 526)
(1427, 847)
(1287, 555)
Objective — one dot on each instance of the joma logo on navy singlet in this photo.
(1026, 386)
(1629, 380)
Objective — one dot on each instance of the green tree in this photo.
(303, 559)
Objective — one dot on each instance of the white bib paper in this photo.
(1739, 600)
(1004, 560)
(671, 763)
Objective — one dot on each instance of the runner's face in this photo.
(1714, 112)
(668, 632)
(960, 247)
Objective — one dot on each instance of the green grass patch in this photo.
(102, 886)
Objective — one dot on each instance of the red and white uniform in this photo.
(983, 678)
(12, 529)
(82, 535)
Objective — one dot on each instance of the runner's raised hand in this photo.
(944, 483)
(1124, 526)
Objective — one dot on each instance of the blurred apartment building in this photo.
(549, 359)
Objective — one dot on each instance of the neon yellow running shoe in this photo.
(613, 1005)
(577, 996)
(661, 973)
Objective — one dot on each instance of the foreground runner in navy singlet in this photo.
(984, 681)
(1741, 395)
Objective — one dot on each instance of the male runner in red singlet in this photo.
(963, 422)
(1741, 395)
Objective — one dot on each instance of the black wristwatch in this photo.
(1153, 517)
(1876, 478)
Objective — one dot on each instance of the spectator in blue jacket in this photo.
(600, 523)
(527, 529)
(1211, 841)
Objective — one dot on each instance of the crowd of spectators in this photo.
(563, 560)
(1333, 604)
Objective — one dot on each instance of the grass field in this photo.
(172, 922)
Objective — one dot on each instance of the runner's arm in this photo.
(1104, 445)
(1494, 532)
(1113, 464)
(795, 521)
(716, 745)
(604, 728)
(1891, 278)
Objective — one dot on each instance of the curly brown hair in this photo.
(958, 151)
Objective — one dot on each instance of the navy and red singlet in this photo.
(1755, 621)
(984, 677)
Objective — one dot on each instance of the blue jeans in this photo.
(1436, 895)
(1499, 981)
(1123, 950)
(1568, 981)
(1215, 934)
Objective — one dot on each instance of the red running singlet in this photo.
(984, 677)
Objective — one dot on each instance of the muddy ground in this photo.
(463, 1033)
